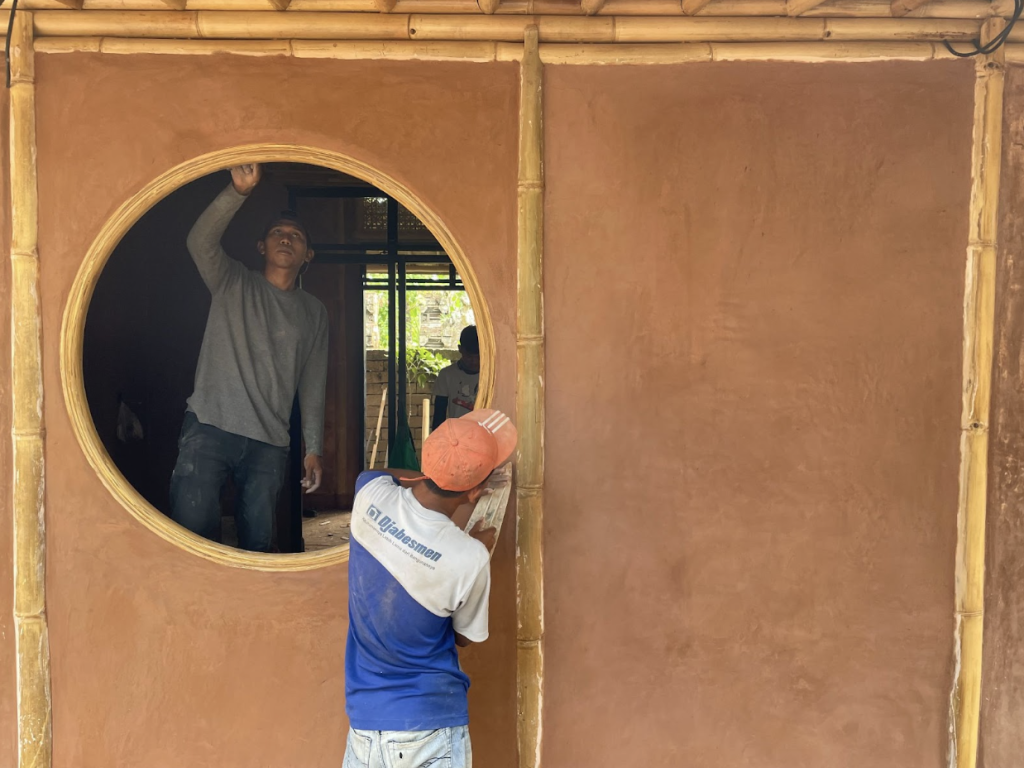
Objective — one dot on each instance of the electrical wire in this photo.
(10, 31)
(993, 45)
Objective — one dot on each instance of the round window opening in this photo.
(233, 349)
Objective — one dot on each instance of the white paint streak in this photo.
(954, 692)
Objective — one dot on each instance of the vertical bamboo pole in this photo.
(33, 651)
(530, 409)
(979, 324)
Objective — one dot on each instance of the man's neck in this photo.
(280, 278)
(433, 502)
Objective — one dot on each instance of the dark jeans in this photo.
(206, 457)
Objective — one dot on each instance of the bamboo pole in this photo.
(979, 331)
(254, 25)
(488, 6)
(937, 9)
(591, 7)
(550, 53)
(903, 7)
(797, 7)
(530, 409)
(693, 7)
(32, 644)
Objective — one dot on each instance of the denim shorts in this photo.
(443, 748)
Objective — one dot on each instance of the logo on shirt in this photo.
(387, 526)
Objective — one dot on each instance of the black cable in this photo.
(993, 45)
(10, 31)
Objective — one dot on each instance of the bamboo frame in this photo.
(252, 25)
(27, 428)
(73, 335)
(621, 40)
(550, 53)
(979, 331)
(903, 7)
(693, 7)
(798, 7)
(952, 9)
(530, 409)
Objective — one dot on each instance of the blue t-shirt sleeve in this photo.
(369, 476)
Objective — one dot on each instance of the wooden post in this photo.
(33, 649)
(979, 325)
(530, 409)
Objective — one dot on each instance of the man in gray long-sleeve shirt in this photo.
(265, 340)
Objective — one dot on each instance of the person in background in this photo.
(418, 587)
(456, 385)
(265, 341)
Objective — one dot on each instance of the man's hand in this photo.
(314, 473)
(485, 536)
(246, 177)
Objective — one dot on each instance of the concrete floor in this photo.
(326, 530)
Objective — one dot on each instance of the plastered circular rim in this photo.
(73, 335)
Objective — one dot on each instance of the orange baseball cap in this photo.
(461, 453)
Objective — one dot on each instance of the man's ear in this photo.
(261, 247)
(473, 494)
(309, 255)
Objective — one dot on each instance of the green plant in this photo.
(422, 365)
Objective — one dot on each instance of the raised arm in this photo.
(214, 265)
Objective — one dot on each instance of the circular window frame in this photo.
(72, 337)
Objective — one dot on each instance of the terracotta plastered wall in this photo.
(1002, 741)
(752, 458)
(160, 658)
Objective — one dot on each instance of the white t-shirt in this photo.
(460, 389)
(415, 579)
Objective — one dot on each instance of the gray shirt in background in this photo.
(261, 344)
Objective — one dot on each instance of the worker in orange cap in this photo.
(419, 587)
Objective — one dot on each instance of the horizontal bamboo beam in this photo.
(1014, 53)
(693, 7)
(228, 25)
(550, 53)
(936, 9)
(798, 7)
(903, 7)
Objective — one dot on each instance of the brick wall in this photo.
(376, 380)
